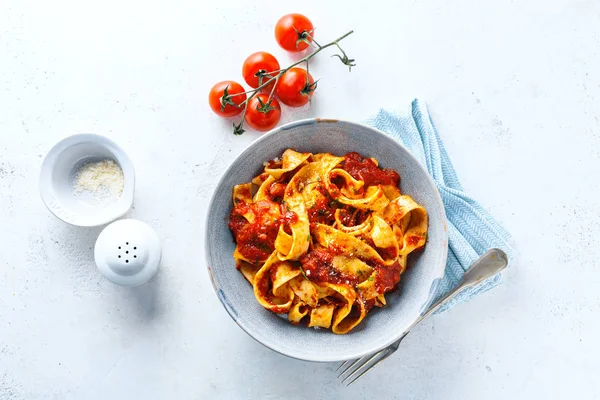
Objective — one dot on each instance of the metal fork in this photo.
(489, 264)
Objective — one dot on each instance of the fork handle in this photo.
(483, 263)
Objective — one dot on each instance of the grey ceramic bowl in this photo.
(382, 326)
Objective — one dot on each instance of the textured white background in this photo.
(513, 87)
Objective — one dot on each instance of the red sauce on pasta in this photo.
(318, 195)
(277, 189)
(387, 277)
(365, 169)
(369, 304)
(245, 192)
(388, 253)
(256, 240)
(412, 240)
(318, 267)
(323, 211)
(347, 218)
(289, 217)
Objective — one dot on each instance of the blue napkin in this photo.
(471, 230)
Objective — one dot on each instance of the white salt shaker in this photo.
(128, 252)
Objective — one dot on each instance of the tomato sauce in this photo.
(273, 164)
(256, 241)
(347, 218)
(277, 190)
(387, 277)
(412, 240)
(351, 218)
(365, 169)
(318, 267)
(388, 253)
(245, 192)
(323, 211)
(287, 219)
(369, 304)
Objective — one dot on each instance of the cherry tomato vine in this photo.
(233, 102)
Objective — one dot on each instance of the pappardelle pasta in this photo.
(323, 238)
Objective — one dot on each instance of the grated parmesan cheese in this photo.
(103, 180)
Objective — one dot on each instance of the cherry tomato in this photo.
(261, 61)
(293, 89)
(215, 97)
(259, 120)
(289, 30)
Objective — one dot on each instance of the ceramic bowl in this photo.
(382, 326)
(58, 174)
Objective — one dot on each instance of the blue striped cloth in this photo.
(471, 230)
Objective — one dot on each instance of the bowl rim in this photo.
(47, 193)
(299, 355)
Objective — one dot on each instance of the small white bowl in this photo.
(58, 173)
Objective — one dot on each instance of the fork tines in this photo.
(352, 370)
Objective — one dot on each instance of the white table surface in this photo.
(513, 87)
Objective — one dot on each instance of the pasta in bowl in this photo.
(322, 238)
(420, 270)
